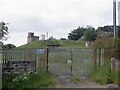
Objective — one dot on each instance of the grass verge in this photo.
(104, 75)
(38, 80)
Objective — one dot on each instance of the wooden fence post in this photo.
(99, 59)
(95, 57)
(71, 60)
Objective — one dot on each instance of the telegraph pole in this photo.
(114, 17)
(1, 55)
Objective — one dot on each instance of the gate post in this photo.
(46, 59)
(99, 57)
(72, 61)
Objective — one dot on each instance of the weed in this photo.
(38, 80)
(104, 75)
(75, 79)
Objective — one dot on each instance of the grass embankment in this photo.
(36, 44)
(72, 44)
(63, 43)
(38, 80)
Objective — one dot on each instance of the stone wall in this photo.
(18, 67)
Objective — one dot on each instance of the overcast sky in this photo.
(57, 17)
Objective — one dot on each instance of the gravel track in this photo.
(65, 82)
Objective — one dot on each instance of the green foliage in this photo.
(108, 28)
(118, 29)
(8, 46)
(107, 31)
(90, 35)
(105, 43)
(76, 34)
(104, 75)
(88, 32)
(38, 80)
(3, 30)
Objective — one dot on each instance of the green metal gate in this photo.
(66, 61)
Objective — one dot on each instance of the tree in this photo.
(106, 31)
(90, 34)
(8, 46)
(3, 30)
(76, 34)
(118, 31)
(108, 28)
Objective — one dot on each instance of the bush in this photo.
(105, 43)
(104, 75)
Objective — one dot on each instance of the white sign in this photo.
(69, 61)
(85, 61)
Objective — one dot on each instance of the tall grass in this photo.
(104, 75)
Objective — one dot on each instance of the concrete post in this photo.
(112, 64)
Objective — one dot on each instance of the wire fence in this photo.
(61, 61)
(22, 62)
(68, 61)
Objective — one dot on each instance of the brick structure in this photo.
(32, 38)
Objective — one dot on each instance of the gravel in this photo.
(65, 82)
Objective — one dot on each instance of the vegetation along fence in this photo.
(66, 61)
(107, 57)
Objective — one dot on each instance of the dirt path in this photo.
(65, 82)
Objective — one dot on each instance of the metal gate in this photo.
(66, 61)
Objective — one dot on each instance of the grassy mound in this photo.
(63, 43)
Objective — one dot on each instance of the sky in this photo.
(57, 17)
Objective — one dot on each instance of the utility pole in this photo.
(114, 17)
(0, 55)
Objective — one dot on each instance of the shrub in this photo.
(105, 43)
(104, 75)
(36, 80)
